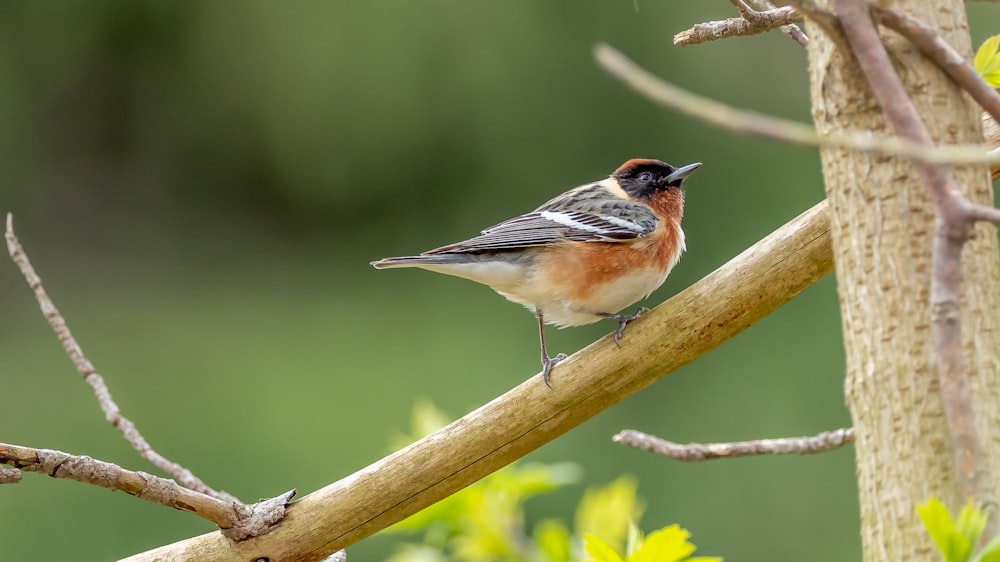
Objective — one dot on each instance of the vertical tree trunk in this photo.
(882, 224)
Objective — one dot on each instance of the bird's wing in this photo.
(586, 214)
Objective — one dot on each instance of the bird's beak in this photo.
(682, 172)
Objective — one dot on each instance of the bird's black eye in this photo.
(646, 177)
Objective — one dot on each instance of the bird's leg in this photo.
(547, 362)
(623, 320)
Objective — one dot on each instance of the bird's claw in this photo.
(624, 320)
(547, 365)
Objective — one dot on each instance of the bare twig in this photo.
(930, 42)
(792, 30)
(727, 117)
(107, 475)
(86, 369)
(955, 217)
(236, 520)
(697, 452)
(759, 22)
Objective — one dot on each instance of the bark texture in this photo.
(882, 224)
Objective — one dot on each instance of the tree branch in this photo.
(955, 217)
(86, 369)
(750, 23)
(721, 115)
(685, 327)
(236, 520)
(930, 43)
(697, 452)
(112, 477)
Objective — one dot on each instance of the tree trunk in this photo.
(882, 222)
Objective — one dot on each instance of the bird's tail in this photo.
(421, 261)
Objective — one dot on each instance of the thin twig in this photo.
(113, 477)
(236, 520)
(668, 95)
(792, 30)
(930, 42)
(86, 369)
(955, 217)
(762, 22)
(697, 452)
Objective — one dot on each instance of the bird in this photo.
(583, 256)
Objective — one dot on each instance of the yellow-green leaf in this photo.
(669, 544)
(991, 552)
(941, 527)
(634, 539)
(971, 522)
(606, 511)
(987, 61)
(553, 540)
(599, 550)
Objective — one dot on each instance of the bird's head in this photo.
(643, 178)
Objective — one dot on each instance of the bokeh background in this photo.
(203, 184)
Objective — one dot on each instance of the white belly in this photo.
(611, 298)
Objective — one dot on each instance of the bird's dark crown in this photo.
(643, 177)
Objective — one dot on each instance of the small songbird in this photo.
(581, 257)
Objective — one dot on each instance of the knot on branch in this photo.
(259, 518)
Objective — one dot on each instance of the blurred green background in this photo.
(203, 184)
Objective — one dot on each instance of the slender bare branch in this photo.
(761, 22)
(727, 117)
(930, 42)
(697, 452)
(86, 369)
(237, 521)
(113, 477)
(955, 217)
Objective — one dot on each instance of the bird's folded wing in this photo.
(613, 221)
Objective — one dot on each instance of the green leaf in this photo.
(991, 552)
(606, 511)
(971, 522)
(634, 539)
(987, 61)
(954, 546)
(553, 540)
(599, 550)
(669, 544)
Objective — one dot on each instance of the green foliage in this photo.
(956, 539)
(987, 61)
(485, 522)
(669, 544)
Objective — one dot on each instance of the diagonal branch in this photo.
(685, 327)
(955, 217)
(697, 452)
(86, 369)
(722, 115)
(934, 47)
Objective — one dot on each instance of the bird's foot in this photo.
(547, 364)
(623, 320)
